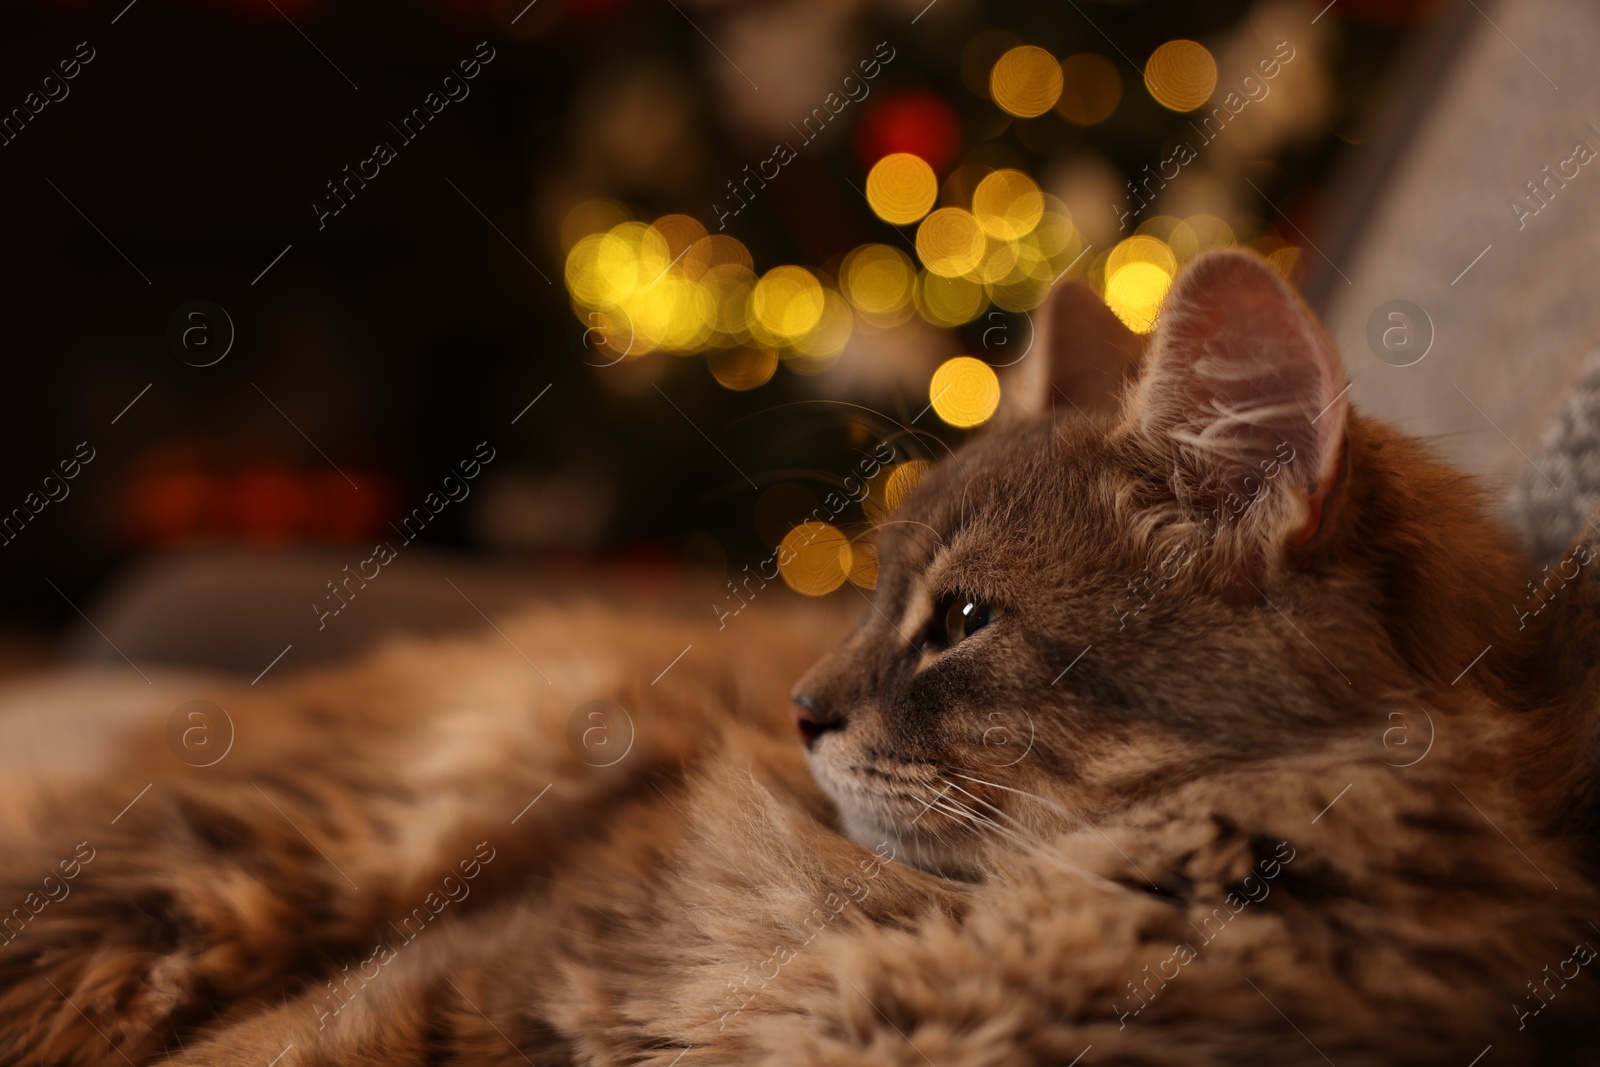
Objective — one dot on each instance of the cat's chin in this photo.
(926, 853)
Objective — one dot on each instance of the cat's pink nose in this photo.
(811, 721)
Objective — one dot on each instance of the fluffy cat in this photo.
(1187, 725)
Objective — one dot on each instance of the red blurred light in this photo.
(912, 120)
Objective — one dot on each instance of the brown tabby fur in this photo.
(1078, 790)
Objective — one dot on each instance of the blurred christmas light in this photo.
(901, 188)
(1007, 204)
(879, 280)
(1286, 261)
(815, 558)
(964, 391)
(1135, 291)
(785, 305)
(950, 242)
(1055, 233)
(730, 285)
(950, 301)
(1091, 88)
(742, 369)
(914, 120)
(1141, 248)
(719, 249)
(817, 347)
(679, 231)
(1197, 233)
(1026, 81)
(1181, 75)
(864, 564)
(901, 481)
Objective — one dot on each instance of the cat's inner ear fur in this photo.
(1081, 355)
(1243, 395)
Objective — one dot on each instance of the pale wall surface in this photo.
(1511, 333)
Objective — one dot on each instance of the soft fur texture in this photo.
(1186, 726)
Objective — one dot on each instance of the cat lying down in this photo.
(1188, 724)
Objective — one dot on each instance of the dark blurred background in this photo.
(546, 240)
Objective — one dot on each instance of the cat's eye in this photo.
(957, 618)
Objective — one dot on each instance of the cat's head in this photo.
(1199, 558)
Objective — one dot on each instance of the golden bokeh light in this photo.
(1141, 248)
(964, 391)
(1160, 227)
(1286, 261)
(815, 558)
(680, 232)
(950, 242)
(819, 346)
(742, 369)
(864, 564)
(1181, 75)
(1056, 234)
(901, 188)
(730, 285)
(1197, 233)
(718, 249)
(1135, 291)
(670, 286)
(880, 281)
(1091, 89)
(1007, 204)
(949, 302)
(672, 313)
(1024, 286)
(785, 305)
(902, 479)
(1026, 81)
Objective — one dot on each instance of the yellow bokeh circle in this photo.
(864, 564)
(1007, 204)
(964, 391)
(1141, 248)
(949, 301)
(742, 369)
(815, 558)
(879, 281)
(901, 481)
(1135, 292)
(1181, 75)
(1026, 81)
(901, 188)
(950, 242)
(786, 304)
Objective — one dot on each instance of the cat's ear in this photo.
(1244, 393)
(1081, 354)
